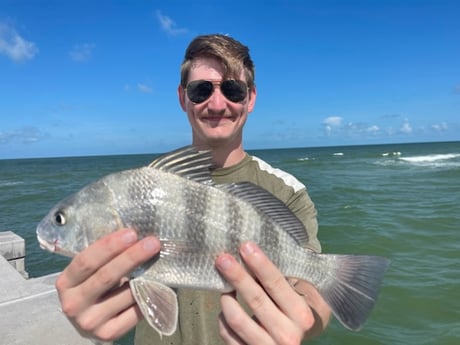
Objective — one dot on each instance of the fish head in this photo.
(79, 220)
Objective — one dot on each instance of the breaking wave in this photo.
(430, 158)
(447, 160)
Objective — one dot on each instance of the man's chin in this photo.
(213, 141)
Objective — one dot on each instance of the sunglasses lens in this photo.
(199, 91)
(234, 90)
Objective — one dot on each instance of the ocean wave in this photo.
(10, 183)
(391, 154)
(430, 158)
(440, 160)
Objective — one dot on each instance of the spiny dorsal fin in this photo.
(270, 206)
(187, 162)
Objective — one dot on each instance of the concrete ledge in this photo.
(29, 310)
(13, 249)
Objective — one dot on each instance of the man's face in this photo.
(216, 121)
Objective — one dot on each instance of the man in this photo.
(217, 92)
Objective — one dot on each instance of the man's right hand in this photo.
(93, 288)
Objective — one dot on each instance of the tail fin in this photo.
(353, 289)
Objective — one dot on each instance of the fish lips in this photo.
(45, 245)
(53, 247)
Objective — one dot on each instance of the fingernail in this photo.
(129, 237)
(150, 244)
(224, 263)
(248, 248)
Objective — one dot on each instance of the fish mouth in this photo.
(51, 247)
(54, 248)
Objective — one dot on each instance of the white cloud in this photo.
(373, 129)
(144, 88)
(337, 126)
(82, 52)
(333, 121)
(168, 25)
(14, 46)
(406, 127)
(440, 127)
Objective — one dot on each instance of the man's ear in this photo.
(252, 99)
(181, 96)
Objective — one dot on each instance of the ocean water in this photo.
(401, 201)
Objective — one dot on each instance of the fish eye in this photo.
(59, 218)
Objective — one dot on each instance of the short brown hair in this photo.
(233, 56)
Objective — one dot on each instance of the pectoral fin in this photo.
(158, 304)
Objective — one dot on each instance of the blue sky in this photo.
(100, 77)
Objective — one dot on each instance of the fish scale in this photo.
(175, 200)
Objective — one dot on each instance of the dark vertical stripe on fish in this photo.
(138, 210)
(194, 222)
(270, 239)
(235, 225)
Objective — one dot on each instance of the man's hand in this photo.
(93, 288)
(281, 315)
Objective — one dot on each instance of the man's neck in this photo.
(224, 158)
(226, 155)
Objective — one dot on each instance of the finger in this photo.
(226, 332)
(105, 309)
(280, 327)
(76, 299)
(111, 273)
(93, 257)
(296, 316)
(238, 321)
(120, 325)
(273, 281)
(112, 317)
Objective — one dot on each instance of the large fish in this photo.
(174, 199)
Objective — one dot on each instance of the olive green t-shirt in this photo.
(199, 310)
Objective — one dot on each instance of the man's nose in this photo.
(217, 101)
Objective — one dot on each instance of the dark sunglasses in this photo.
(199, 91)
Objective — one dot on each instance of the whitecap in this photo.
(10, 183)
(430, 158)
(391, 154)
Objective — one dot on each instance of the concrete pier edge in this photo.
(29, 308)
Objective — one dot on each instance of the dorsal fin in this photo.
(270, 206)
(187, 162)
